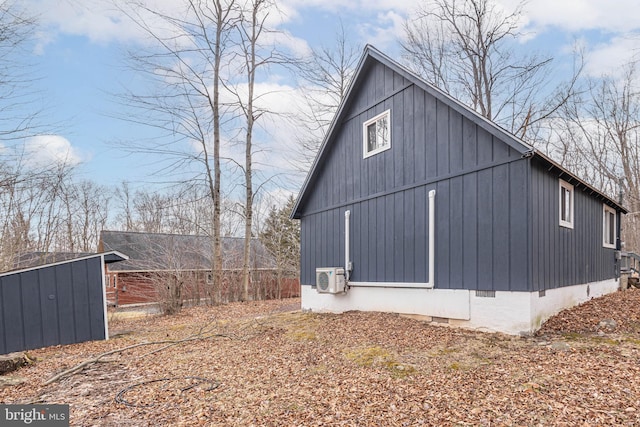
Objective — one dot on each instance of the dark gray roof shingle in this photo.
(160, 251)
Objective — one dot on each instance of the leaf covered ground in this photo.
(269, 364)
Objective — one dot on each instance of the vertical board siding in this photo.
(58, 304)
(420, 229)
(469, 260)
(13, 333)
(562, 256)
(48, 309)
(443, 229)
(31, 309)
(482, 235)
(500, 226)
(518, 226)
(485, 231)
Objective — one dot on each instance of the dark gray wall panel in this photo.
(456, 152)
(519, 226)
(469, 259)
(50, 305)
(400, 160)
(419, 134)
(96, 303)
(31, 309)
(500, 226)
(442, 138)
(421, 228)
(562, 256)
(485, 230)
(12, 313)
(66, 315)
(81, 301)
(443, 228)
(431, 135)
(456, 236)
(380, 233)
(469, 145)
(408, 226)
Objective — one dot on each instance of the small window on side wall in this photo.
(376, 133)
(566, 204)
(609, 230)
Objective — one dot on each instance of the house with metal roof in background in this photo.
(189, 258)
(417, 204)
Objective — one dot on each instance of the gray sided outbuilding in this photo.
(59, 303)
(508, 222)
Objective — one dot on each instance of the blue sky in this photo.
(80, 51)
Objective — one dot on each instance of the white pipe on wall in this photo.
(432, 238)
(347, 261)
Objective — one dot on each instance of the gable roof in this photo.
(370, 57)
(108, 257)
(162, 251)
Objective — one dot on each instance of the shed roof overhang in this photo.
(109, 257)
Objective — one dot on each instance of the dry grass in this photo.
(272, 367)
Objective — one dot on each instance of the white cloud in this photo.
(385, 31)
(101, 21)
(44, 150)
(579, 15)
(340, 6)
(610, 57)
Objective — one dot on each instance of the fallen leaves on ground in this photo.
(273, 365)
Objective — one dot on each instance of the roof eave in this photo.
(573, 180)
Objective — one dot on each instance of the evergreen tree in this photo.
(281, 237)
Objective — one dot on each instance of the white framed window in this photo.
(609, 229)
(376, 134)
(566, 204)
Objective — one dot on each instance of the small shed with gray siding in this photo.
(51, 304)
(515, 236)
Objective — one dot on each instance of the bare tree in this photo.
(125, 203)
(186, 62)
(19, 103)
(464, 47)
(19, 118)
(151, 211)
(32, 207)
(89, 214)
(254, 57)
(174, 265)
(600, 137)
(325, 78)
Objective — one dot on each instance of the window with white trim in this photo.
(376, 134)
(566, 204)
(609, 229)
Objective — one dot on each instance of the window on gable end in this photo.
(376, 134)
(609, 230)
(566, 204)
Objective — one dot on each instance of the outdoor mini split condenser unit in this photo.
(330, 280)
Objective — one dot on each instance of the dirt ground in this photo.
(269, 364)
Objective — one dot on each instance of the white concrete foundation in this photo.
(515, 313)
